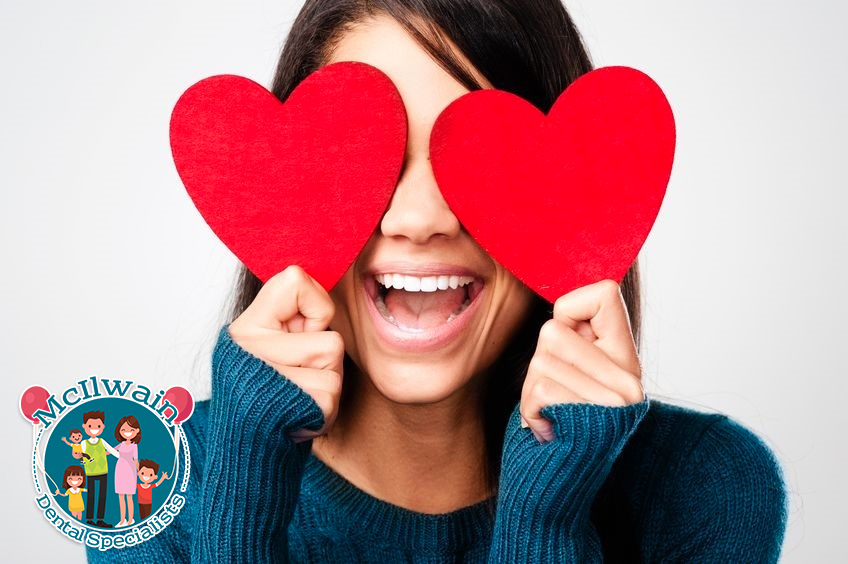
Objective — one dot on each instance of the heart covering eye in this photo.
(561, 200)
(566, 199)
(302, 182)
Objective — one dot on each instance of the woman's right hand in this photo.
(285, 326)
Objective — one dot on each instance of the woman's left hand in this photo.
(585, 354)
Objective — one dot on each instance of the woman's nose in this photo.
(417, 210)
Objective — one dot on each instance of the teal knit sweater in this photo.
(648, 482)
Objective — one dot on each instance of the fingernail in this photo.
(524, 423)
(547, 432)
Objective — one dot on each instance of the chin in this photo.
(418, 384)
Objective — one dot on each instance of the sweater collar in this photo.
(359, 513)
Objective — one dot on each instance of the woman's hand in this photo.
(585, 354)
(286, 327)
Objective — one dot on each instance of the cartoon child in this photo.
(97, 469)
(147, 472)
(128, 432)
(76, 447)
(74, 484)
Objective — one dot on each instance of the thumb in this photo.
(291, 301)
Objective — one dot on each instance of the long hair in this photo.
(531, 49)
(132, 422)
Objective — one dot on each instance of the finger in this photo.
(539, 393)
(328, 402)
(322, 349)
(559, 341)
(584, 385)
(602, 306)
(312, 380)
(303, 435)
(296, 324)
(289, 294)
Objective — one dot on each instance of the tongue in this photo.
(422, 310)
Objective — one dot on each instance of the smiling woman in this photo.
(422, 351)
(431, 406)
(128, 435)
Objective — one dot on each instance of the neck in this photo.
(425, 458)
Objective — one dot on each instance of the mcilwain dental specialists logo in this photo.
(111, 457)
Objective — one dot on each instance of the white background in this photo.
(109, 270)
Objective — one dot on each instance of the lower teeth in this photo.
(384, 311)
(462, 308)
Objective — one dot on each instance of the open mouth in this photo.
(127, 434)
(419, 303)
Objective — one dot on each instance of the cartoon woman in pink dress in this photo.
(128, 432)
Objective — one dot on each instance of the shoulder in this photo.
(709, 487)
(700, 441)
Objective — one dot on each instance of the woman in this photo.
(463, 424)
(128, 435)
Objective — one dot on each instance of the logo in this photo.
(110, 459)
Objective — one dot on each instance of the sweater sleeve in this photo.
(546, 490)
(253, 468)
(246, 471)
(725, 503)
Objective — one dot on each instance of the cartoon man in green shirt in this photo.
(97, 469)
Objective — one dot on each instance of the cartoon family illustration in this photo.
(92, 454)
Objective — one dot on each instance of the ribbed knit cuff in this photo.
(253, 468)
(547, 490)
(254, 391)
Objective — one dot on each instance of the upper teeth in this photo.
(422, 283)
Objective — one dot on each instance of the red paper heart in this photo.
(564, 200)
(303, 182)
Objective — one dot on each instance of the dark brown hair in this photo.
(93, 415)
(72, 471)
(145, 463)
(77, 431)
(531, 49)
(133, 422)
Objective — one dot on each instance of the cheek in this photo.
(519, 302)
(346, 315)
(513, 305)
